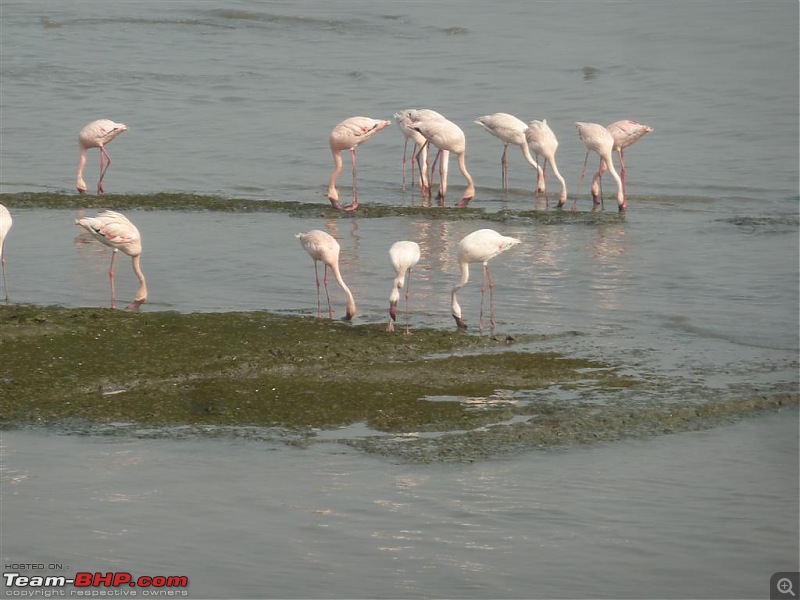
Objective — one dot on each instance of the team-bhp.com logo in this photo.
(92, 584)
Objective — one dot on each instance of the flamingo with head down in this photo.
(599, 139)
(348, 135)
(404, 256)
(479, 247)
(625, 133)
(510, 130)
(447, 137)
(96, 135)
(117, 232)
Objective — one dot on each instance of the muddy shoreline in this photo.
(430, 396)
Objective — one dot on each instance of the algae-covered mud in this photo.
(198, 202)
(432, 395)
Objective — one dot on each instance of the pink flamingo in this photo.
(403, 256)
(118, 233)
(322, 246)
(96, 135)
(625, 133)
(5, 225)
(447, 137)
(413, 135)
(510, 130)
(408, 120)
(347, 135)
(479, 246)
(598, 138)
(543, 141)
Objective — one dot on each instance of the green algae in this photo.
(253, 369)
(89, 368)
(198, 202)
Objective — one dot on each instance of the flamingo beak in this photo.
(134, 307)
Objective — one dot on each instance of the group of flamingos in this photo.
(424, 127)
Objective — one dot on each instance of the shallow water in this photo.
(697, 286)
(629, 520)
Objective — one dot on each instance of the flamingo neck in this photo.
(141, 295)
(338, 165)
(351, 302)
(81, 184)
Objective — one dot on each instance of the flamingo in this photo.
(543, 141)
(598, 138)
(5, 225)
(96, 135)
(625, 133)
(402, 121)
(479, 246)
(510, 130)
(447, 137)
(408, 119)
(404, 256)
(347, 135)
(115, 231)
(322, 246)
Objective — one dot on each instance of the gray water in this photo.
(697, 286)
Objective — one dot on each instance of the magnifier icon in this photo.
(784, 586)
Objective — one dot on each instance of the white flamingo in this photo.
(543, 141)
(96, 135)
(479, 247)
(115, 231)
(322, 246)
(348, 135)
(404, 256)
(598, 138)
(510, 130)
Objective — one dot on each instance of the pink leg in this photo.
(327, 295)
(111, 277)
(316, 276)
(504, 167)
(423, 170)
(103, 169)
(405, 150)
(483, 296)
(491, 298)
(354, 205)
(408, 293)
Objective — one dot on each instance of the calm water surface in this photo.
(697, 286)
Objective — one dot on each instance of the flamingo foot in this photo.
(353, 206)
(390, 326)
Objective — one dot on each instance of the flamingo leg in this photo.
(111, 278)
(622, 169)
(414, 152)
(491, 298)
(316, 276)
(354, 205)
(408, 293)
(327, 295)
(103, 169)
(444, 163)
(3, 267)
(405, 149)
(504, 167)
(483, 296)
(422, 164)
